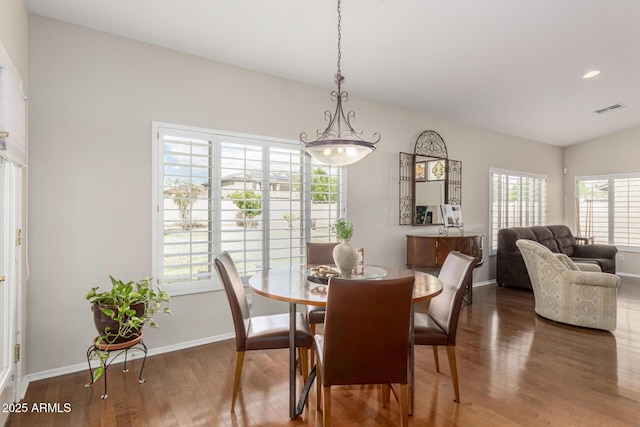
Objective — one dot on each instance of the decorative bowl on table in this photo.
(321, 274)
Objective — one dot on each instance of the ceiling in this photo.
(512, 66)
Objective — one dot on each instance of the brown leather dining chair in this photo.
(366, 338)
(258, 332)
(438, 326)
(318, 254)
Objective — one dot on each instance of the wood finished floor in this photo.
(515, 369)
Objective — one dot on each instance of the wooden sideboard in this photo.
(425, 252)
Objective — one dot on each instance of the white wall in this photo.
(13, 36)
(614, 154)
(93, 97)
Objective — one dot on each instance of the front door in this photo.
(10, 276)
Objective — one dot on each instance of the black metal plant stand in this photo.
(97, 349)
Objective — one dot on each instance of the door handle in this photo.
(2, 278)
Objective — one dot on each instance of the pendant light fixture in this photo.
(339, 144)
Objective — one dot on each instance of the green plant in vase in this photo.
(120, 313)
(342, 229)
(345, 255)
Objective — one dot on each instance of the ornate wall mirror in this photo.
(428, 179)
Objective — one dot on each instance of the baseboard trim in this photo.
(133, 355)
(485, 283)
(627, 274)
(22, 390)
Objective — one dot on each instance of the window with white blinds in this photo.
(608, 209)
(258, 198)
(517, 199)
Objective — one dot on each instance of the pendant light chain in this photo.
(339, 74)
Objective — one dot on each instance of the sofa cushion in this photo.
(545, 237)
(564, 238)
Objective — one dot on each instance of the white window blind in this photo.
(608, 209)
(626, 211)
(258, 198)
(592, 209)
(185, 215)
(517, 199)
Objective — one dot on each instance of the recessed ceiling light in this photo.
(591, 73)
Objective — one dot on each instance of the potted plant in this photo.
(120, 313)
(343, 229)
(345, 255)
(250, 204)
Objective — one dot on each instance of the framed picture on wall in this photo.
(421, 171)
(435, 170)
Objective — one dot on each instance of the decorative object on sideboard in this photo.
(339, 144)
(452, 215)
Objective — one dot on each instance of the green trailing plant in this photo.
(247, 201)
(343, 229)
(119, 305)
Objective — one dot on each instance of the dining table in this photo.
(296, 284)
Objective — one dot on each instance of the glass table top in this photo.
(321, 275)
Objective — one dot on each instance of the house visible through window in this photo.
(258, 198)
(518, 199)
(608, 209)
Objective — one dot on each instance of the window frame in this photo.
(268, 144)
(539, 219)
(611, 204)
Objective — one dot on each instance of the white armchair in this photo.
(577, 294)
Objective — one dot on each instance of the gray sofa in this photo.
(511, 269)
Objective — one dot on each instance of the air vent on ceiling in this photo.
(613, 107)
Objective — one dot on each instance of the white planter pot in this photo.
(345, 256)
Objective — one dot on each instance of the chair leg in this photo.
(318, 395)
(312, 326)
(385, 391)
(304, 362)
(236, 380)
(326, 406)
(451, 353)
(404, 404)
(435, 357)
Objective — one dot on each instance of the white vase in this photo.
(345, 256)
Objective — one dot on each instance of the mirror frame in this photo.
(429, 144)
